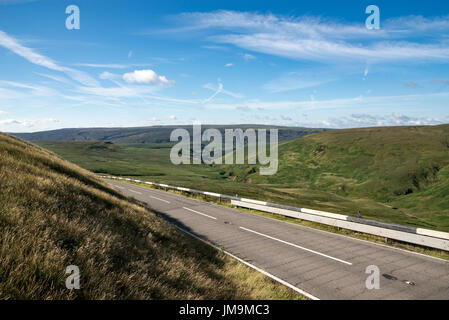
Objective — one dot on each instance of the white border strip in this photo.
(159, 199)
(197, 212)
(296, 246)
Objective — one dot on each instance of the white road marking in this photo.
(203, 214)
(135, 191)
(300, 291)
(160, 199)
(120, 187)
(296, 246)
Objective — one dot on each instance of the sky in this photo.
(292, 63)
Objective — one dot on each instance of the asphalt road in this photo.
(323, 264)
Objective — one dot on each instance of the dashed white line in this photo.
(203, 214)
(135, 191)
(296, 246)
(160, 199)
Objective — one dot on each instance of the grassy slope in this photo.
(401, 167)
(399, 175)
(54, 214)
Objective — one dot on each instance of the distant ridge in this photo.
(153, 134)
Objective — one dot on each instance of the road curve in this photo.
(324, 264)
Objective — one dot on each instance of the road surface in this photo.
(323, 264)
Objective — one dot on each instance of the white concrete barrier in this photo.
(212, 194)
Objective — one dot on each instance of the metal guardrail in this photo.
(420, 236)
(405, 236)
(166, 186)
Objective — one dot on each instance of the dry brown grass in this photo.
(54, 214)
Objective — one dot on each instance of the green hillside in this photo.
(54, 214)
(403, 167)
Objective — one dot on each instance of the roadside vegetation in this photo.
(54, 214)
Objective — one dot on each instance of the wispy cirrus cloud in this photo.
(53, 77)
(27, 122)
(103, 65)
(220, 90)
(295, 81)
(357, 103)
(5, 2)
(319, 39)
(32, 56)
(16, 90)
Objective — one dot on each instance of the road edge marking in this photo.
(166, 201)
(283, 282)
(197, 212)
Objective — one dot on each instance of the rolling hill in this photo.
(54, 214)
(403, 167)
(155, 134)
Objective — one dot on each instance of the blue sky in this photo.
(141, 63)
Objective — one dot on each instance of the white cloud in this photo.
(248, 56)
(9, 121)
(130, 54)
(366, 72)
(106, 75)
(12, 44)
(172, 117)
(146, 76)
(368, 120)
(27, 123)
(286, 118)
(103, 65)
(229, 64)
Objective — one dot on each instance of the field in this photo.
(395, 174)
(54, 214)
